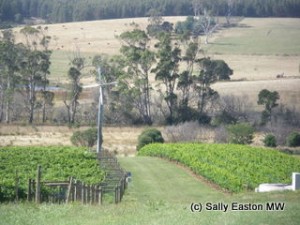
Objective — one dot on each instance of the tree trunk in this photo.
(7, 100)
(31, 100)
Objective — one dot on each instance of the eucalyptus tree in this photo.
(185, 81)
(74, 73)
(9, 58)
(47, 95)
(138, 60)
(269, 100)
(211, 71)
(167, 72)
(34, 66)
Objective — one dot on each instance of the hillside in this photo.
(257, 50)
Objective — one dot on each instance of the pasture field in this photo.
(259, 36)
(257, 49)
(158, 194)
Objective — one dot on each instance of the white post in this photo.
(100, 114)
(296, 181)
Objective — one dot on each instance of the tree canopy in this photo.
(81, 10)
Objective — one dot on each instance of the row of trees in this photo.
(24, 78)
(182, 88)
(79, 10)
(162, 75)
(24, 68)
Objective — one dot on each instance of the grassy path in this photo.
(158, 180)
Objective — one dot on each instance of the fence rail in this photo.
(72, 190)
(115, 181)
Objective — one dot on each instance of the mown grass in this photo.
(270, 36)
(150, 200)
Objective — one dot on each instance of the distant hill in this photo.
(54, 11)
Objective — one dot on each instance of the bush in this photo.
(241, 133)
(293, 140)
(270, 140)
(87, 138)
(149, 136)
(223, 118)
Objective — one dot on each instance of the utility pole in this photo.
(100, 112)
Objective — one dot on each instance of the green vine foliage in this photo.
(235, 168)
(58, 163)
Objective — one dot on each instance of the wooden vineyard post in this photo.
(116, 195)
(100, 196)
(88, 193)
(70, 190)
(83, 193)
(29, 191)
(119, 193)
(76, 190)
(38, 185)
(17, 187)
(94, 195)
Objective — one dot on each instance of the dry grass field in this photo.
(122, 140)
(256, 49)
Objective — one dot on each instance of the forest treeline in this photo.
(54, 11)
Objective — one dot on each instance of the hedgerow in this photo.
(233, 167)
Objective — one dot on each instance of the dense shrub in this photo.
(293, 140)
(149, 136)
(223, 118)
(87, 138)
(241, 133)
(270, 140)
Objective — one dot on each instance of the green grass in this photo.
(260, 37)
(149, 200)
(156, 180)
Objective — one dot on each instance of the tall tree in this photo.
(138, 61)
(34, 68)
(211, 71)
(71, 101)
(167, 71)
(185, 81)
(230, 6)
(269, 100)
(47, 96)
(9, 58)
(207, 24)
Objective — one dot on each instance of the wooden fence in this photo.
(64, 192)
(116, 178)
(72, 190)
